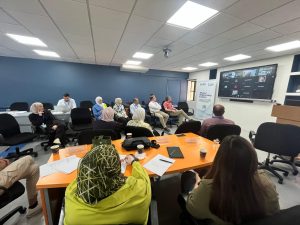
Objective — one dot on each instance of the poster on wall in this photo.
(205, 99)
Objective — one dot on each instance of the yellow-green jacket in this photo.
(129, 204)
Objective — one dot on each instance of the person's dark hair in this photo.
(151, 97)
(237, 193)
(66, 95)
(218, 110)
(167, 98)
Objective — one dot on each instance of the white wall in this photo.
(250, 115)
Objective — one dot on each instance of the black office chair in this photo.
(138, 131)
(279, 139)
(42, 134)
(150, 118)
(184, 106)
(19, 106)
(86, 137)
(9, 196)
(48, 106)
(81, 119)
(220, 131)
(10, 135)
(190, 126)
(86, 104)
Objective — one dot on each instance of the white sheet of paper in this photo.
(157, 166)
(66, 165)
(123, 163)
(46, 170)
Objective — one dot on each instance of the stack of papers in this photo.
(159, 164)
(66, 166)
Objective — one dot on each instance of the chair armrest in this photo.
(1, 138)
(252, 136)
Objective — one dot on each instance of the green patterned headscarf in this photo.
(99, 174)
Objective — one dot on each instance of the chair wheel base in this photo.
(22, 210)
(295, 173)
(280, 181)
(285, 174)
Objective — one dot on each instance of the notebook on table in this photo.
(174, 152)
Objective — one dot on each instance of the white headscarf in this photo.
(139, 114)
(34, 107)
(98, 99)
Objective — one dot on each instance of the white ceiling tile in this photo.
(119, 5)
(260, 37)
(278, 16)
(195, 37)
(241, 31)
(158, 43)
(69, 22)
(13, 28)
(219, 24)
(142, 26)
(4, 18)
(25, 6)
(288, 28)
(170, 33)
(160, 10)
(214, 42)
(247, 10)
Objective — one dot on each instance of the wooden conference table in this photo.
(52, 187)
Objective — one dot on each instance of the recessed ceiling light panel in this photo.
(189, 68)
(47, 53)
(284, 47)
(237, 57)
(142, 55)
(27, 40)
(133, 62)
(191, 14)
(208, 64)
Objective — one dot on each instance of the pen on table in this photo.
(165, 161)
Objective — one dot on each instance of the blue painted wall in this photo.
(33, 80)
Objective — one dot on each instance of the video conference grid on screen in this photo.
(249, 83)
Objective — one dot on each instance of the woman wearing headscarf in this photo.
(120, 113)
(44, 120)
(138, 119)
(98, 107)
(102, 195)
(107, 121)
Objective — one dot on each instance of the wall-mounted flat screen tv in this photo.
(249, 83)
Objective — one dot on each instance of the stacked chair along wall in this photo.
(283, 217)
(8, 202)
(19, 106)
(279, 139)
(184, 106)
(220, 131)
(86, 137)
(48, 106)
(190, 126)
(81, 119)
(10, 135)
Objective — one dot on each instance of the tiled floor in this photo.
(289, 192)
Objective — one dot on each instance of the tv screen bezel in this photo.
(253, 99)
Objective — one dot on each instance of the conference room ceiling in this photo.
(109, 32)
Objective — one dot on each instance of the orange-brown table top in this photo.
(190, 145)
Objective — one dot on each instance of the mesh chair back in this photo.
(48, 106)
(8, 125)
(281, 139)
(220, 131)
(81, 116)
(138, 131)
(184, 106)
(86, 104)
(19, 106)
(86, 137)
(190, 126)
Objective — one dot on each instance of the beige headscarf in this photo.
(108, 114)
(139, 114)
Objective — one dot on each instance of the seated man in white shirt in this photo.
(155, 109)
(67, 103)
(134, 106)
